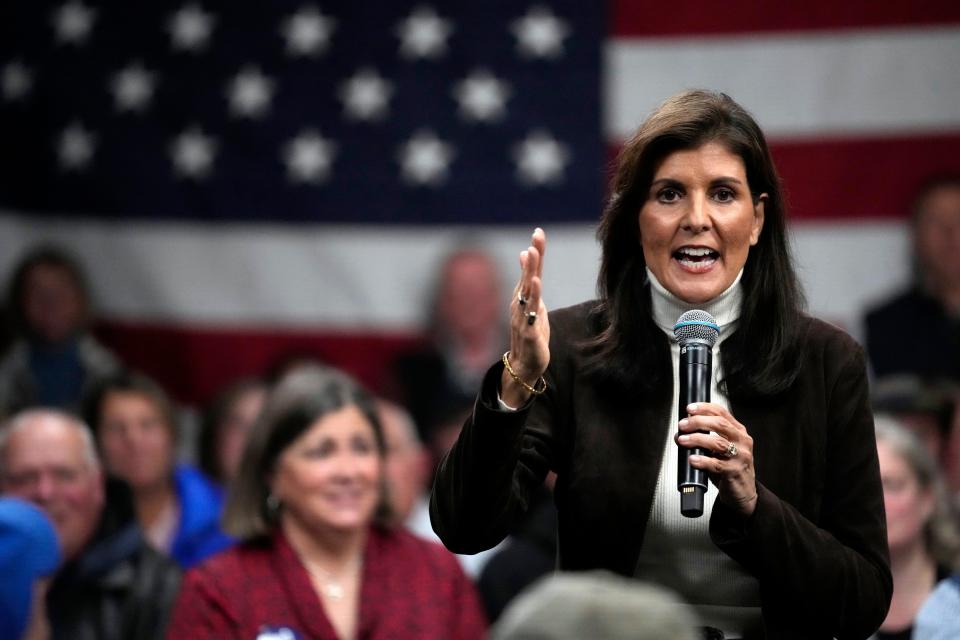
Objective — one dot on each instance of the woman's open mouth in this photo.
(696, 259)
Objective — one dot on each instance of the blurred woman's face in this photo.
(908, 505)
(234, 430)
(53, 305)
(331, 476)
(699, 221)
(136, 442)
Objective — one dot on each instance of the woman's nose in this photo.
(696, 217)
(347, 464)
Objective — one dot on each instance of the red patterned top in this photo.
(411, 589)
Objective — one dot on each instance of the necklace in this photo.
(330, 584)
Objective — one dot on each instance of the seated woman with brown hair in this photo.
(317, 560)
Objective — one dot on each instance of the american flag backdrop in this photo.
(245, 181)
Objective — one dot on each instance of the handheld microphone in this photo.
(696, 332)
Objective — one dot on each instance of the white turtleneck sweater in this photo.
(677, 551)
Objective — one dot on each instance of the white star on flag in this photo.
(309, 157)
(76, 147)
(308, 32)
(540, 34)
(365, 95)
(425, 159)
(132, 88)
(73, 22)
(423, 34)
(250, 93)
(16, 81)
(190, 28)
(482, 96)
(540, 159)
(192, 153)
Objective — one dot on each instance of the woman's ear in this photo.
(758, 210)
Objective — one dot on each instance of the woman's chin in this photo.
(347, 519)
(697, 287)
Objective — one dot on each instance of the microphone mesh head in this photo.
(696, 326)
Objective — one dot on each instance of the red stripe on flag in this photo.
(852, 178)
(193, 364)
(859, 178)
(694, 17)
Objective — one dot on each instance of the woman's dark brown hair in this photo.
(759, 358)
(211, 427)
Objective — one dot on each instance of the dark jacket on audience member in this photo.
(32, 375)
(816, 543)
(913, 334)
(119, 587)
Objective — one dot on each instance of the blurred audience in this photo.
(929, 410)
(310, 506)
(112, 584)
(29, 553)
(924, 407)
(528, 553)
(922, 531)
(226, 427)
(465, 334)
(596, 604)
(53, 359)
(939, 617)
(136, 431)
(408, 468)
(918, 331)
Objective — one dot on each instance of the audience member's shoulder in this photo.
(905, 300)
(191, 480)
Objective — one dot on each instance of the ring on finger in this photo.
(531, 316)
(520, 299)
(730, 451)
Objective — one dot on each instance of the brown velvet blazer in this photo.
(816, 542)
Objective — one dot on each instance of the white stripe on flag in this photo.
(813, 83)
(380, 278)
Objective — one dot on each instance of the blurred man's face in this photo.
(406, 464)
(937, 237)
(52, 304)
(470, 303)
(46, 463)
(136, 440)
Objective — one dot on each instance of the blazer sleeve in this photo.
(489, 478)
(829, 578)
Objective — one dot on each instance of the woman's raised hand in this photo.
(529, 327)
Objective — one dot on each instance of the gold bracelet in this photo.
(513, 374)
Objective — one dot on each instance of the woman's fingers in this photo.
(713, 417)
(718, 448)
(729, 449)
(539, 241)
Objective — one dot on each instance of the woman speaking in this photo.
(792, 540)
